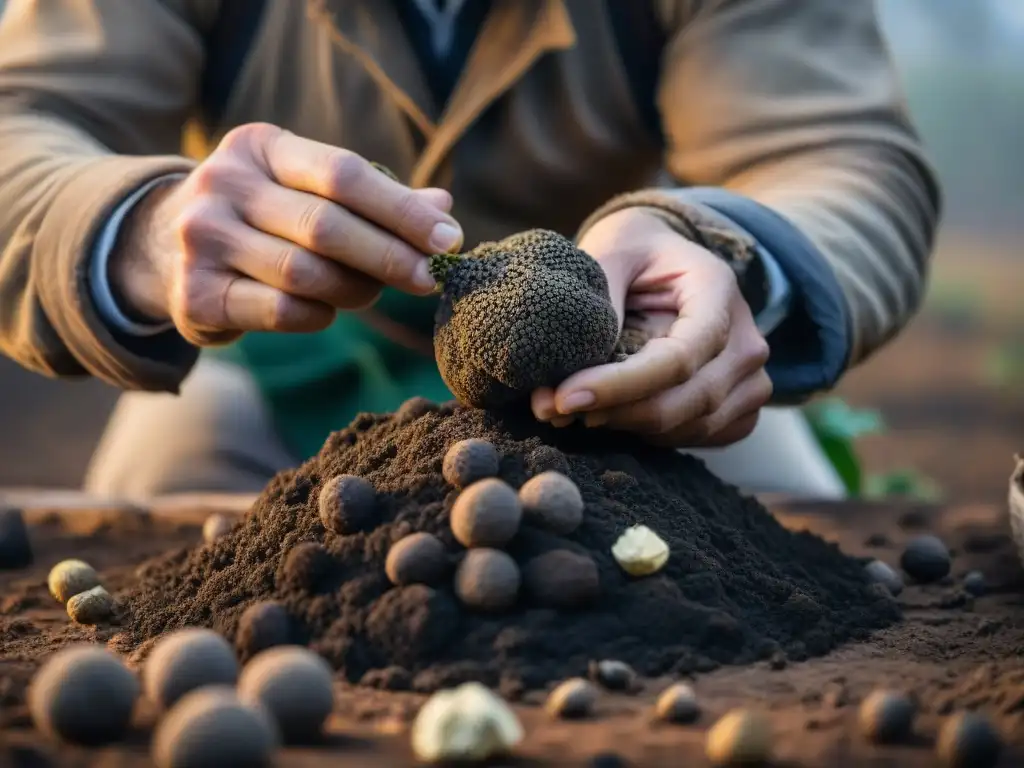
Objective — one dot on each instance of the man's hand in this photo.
(273, 232)
(700, 380)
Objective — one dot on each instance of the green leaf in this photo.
(834, 417)
(904, 484)
(843, 456)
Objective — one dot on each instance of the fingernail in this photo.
(445, 238)
(576, 401)
(422, 277)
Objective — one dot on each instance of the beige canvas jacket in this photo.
(784, 115)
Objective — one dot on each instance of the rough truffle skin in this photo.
(525, 312)
(562, 579)
(488, 580)
(263, 625)
(419, 558)
(470, 460)
(348, 504)
(487, 514)
(553, 501)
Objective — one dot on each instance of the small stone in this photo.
(211, 727)
(879, 572)
(83, 695)
(348, 504)
(562, 579)
(974, 582)
(419, 558)
(263, 625)
(469, 461)
(486, 514)
(741, 737)
(925, 559)
(306, 565)
(968, 740)
(91, 607)
(465, 724)
(71, 577)
(886, 717)
(573, 698)
(217, 526)
(614, 675)
(185, 660)
(15, 546)
(487, 579)
(414, 408)
(292, 684)
(678, 704)
(551, 500)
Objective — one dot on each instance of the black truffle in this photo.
(184, 661)
(487, 514)
(614, 675)
(15, 547)
(306, 565)
(925, 559)
(468, 461)
(487, 579)
(295, 686)
(571, 699)
(414, 408)
(261, 626)
(887, 717)
(518, 314)
(348, 504)
(419, 558)
(974, 582)
(562, 579)
(968, 740)
(881, 573)
(551, 500)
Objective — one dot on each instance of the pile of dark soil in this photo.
(737, 587)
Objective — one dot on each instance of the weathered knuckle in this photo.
(320, 227)
(212, 176)
(245, 137)
(291, 270)
(195, 304)
(344, 170)
(396, 266)
(409, 214)
(715, 397)
(279, 312)
(196, 225)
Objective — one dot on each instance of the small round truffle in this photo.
(306, 565)
(740, 737)
(414, 408)
(348, 504)
(84, 695)
(562, 579)
(468, 461)
(886, 717)
(968, 740)
(678, 704)
(551, 500)
(216, 526)
(15, 546)
(487, 514)
(487, 579)
(185, 660)
(879, 572)
(71, 577)
(419, 558)
(91, 607)
(263, 625)
(614, 675)
(294, 685)
(926, 559)
(572, 698)
(211, 727)
(974, 582)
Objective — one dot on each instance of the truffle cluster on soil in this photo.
(737, 586)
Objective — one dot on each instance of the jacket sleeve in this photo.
(786, 117)
(93, 96)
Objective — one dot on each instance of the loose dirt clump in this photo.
(737, 587)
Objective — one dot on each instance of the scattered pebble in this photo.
(84, 695)
(573, 698)
(639, 551)
(562, 579)
(551, 500)
(419, 558)
(71, 577)
(486, 514)
(348, 504)
(777, 661)
(263, 625)
(91, 607)
(968, 740)
(926, 559)
(487, 579)
(614, 675)
(15, 546)
(741, 737)
(886, 717)
(468, 461)
(882, 573)
(306, 564)
(185, 660)
(974, 582)
(292, 684)
(678, 704)
(467, 723)
(211, 727)
(216, 526)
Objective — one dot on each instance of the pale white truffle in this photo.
(71, 577)
(467, 723)
(639, 551)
